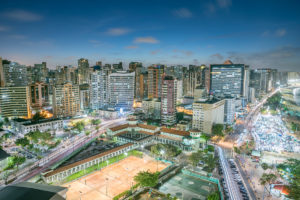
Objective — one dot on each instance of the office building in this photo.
(83, 71)
(206, 113)
(84, 93)
(227, 79)
(179, 90)
(66, 100)
(39, 72)
(121, 90)
(155, 74)
(134, 65)
(168, 100)
(15, 102)
(261, 81)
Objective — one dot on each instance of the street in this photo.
(63, 150)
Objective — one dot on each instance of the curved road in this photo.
(65, 149)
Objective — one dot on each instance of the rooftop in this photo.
(175, 132)
(32, 191)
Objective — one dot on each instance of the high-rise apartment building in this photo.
(15, 102)
(229, 111)
(15, 75)
(2, 80)
(261, 81)
(83, 71)
(99, 93)
(121, 90)
(155, 74)
(227, 79)
(118, 67)
(84, 93)
(39, 95)
(168, 100)
(66, 100)
(206, 113)
(151, 108)
(39, 72)
(134, 65)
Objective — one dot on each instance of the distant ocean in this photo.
(297, 96)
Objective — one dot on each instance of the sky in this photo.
(262, 33)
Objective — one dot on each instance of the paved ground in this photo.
(112, 180)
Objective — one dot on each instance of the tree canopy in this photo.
(217, 129)
(147, 179)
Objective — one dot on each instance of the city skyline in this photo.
(152, 32)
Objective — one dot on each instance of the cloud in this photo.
(22, 15)
(18, 37)
(95, 43)
(276, 33)
(154, 52)
(280, 32)
(183, 13)
(213, 6)
(217, 56)
(282, 58)
(186, 53)
(224, 3)
(149, 40)
(118, 31)
(132, 47)
(3, 28)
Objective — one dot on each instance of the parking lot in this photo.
(271, 134)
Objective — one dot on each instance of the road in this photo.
(65, 149)
(233, 190)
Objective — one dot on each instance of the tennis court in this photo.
(112, 180)
(187, 187)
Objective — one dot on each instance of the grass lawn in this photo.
(102, 164)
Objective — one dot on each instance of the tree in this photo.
(179, 116)
(96, 121)
(79, 126)
(87, 133)
(267, 178)
(147, 179)
(6, 121)
(294, 187)
(205, 137)
(210, 162)
(22, 142)
(38, 116)
(264, 166)
(217, 129)
(18, 160)
(195, 157)
(169, 150)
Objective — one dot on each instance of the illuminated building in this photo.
(15, 75)
(121, 90)
(83, 71)
(206, 113)
(155, 73)
(15, 102)
(39, 95)
(66, 100)
(168, 100)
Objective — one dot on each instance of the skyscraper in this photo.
(227, 79)
(2, 80)
(83, 71)
(15, 102)
(155, 74)
(66, 100)
(15, 75)
(121, 90)
(168, 100)
(39, 72)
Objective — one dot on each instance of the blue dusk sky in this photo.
(262, 33)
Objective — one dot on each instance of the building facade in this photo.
(155, 74)
(121, 90)
(15, 102)
(206, 113)
(66, 100)
(168, 100)
(15, 75)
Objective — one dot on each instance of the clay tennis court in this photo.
(112, 180)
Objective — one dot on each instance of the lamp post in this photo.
(106, 185)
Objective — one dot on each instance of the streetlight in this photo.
(106, 185)
(106, 163)
(80, 194)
